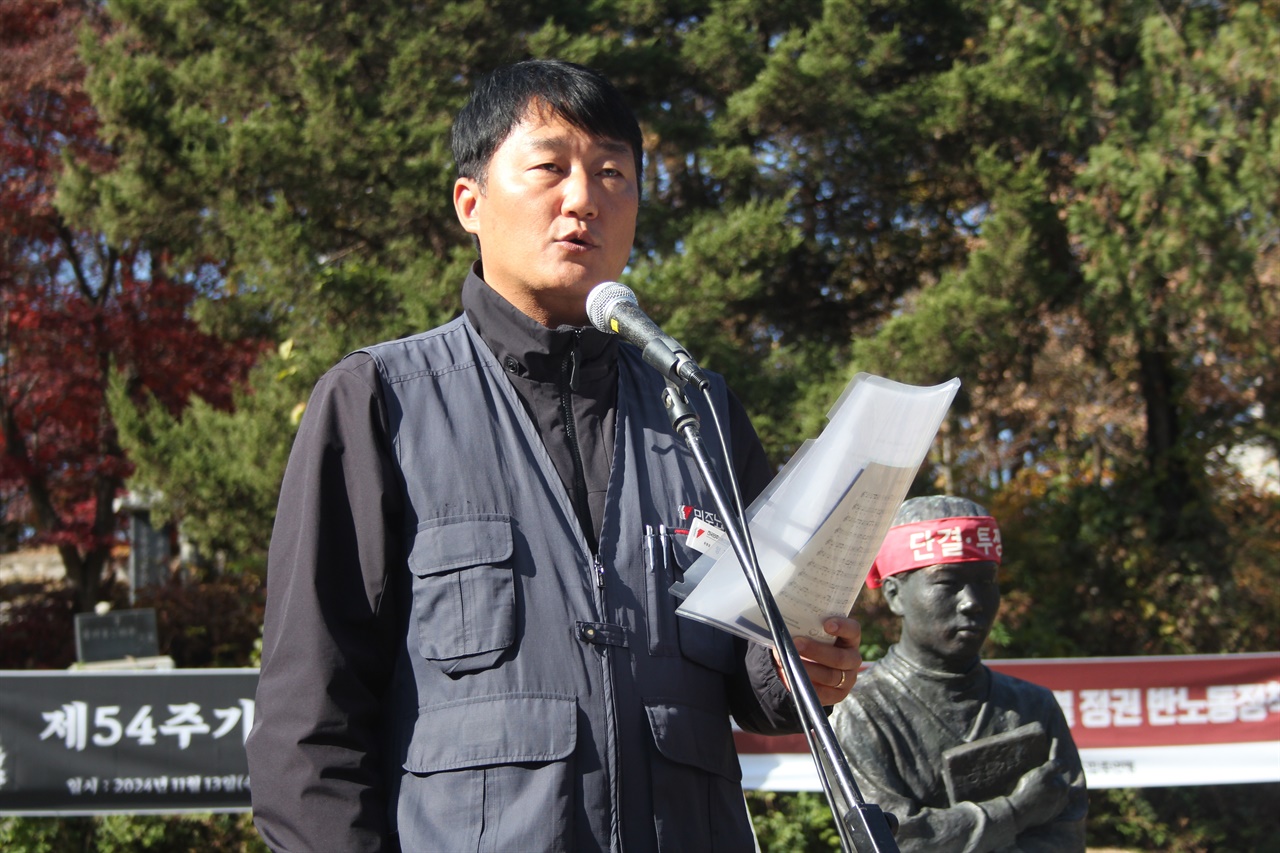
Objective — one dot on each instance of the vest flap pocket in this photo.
(692, 736)
(514, 728)
(464, 591)
(455, 542)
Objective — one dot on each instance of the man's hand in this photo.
(831, 668)
(1041, 794)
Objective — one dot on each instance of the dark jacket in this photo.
(465, 644)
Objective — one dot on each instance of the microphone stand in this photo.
(863, 826)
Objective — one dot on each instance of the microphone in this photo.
(612, 308)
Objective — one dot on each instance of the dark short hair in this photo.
(582, 97)
(933, 507)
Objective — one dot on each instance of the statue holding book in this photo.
(966, 758)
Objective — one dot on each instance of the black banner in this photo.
(82, 743)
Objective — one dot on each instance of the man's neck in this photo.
(929, 660)
(549, 308)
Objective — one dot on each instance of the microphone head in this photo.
(602, 299)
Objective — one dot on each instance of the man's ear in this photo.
(466, 202)
(892, 594)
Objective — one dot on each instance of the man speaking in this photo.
(469, 640)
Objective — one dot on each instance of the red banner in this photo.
(1138, 721)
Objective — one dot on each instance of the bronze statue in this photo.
(966, 758)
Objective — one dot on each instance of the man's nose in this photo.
(579, 196)
(968, 600)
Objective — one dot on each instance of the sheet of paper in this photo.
(818, 526)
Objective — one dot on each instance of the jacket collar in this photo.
(527, 348)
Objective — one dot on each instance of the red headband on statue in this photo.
(968, 539)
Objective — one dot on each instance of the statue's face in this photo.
(946, 611)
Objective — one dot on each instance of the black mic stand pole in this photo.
(863, 827)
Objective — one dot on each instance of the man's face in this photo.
(556, 216)
(946, 611)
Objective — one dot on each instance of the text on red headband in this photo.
(967, 539)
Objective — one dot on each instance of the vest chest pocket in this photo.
(670, 634)
(464, 601)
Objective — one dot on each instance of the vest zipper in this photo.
(568, 385)
(582, 507)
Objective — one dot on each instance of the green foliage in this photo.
(792, 822)
(880, 628)
(1184, 820)
(1171, 820)
(217, 471)
(45, 835)
(1076, 579)
(1096, 319)
(1069, 206)
(218, 833)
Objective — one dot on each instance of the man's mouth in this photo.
(578, 238)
